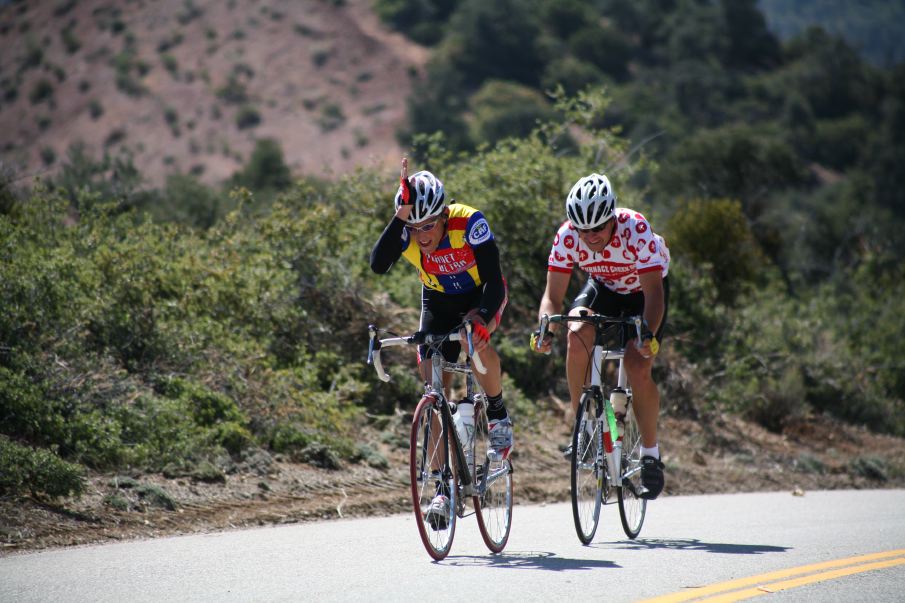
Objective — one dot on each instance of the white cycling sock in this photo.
(654, 452)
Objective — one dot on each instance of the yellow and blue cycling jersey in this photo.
(452, 268)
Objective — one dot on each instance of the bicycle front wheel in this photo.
(632, 507)
(433, 481)
(493, 487)
(587, 472)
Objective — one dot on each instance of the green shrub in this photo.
(48, 155)
(420, 20)
(734, 258)
(208, 472)
(232, 436)
(70, 42)
(37, 471)
(608, 49)
(247, 117)
(42, 91)
(571, 73)
(266, 169)
(734, 162)
(170, 64)
(95, 109)
(503, 109)
(156, 496)
(331, 117)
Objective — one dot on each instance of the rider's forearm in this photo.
(487, 259)
(554, 294)
(388, 247)
(653, 310)
(548, 307)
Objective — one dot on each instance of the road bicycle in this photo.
(606, 443)
(441, 462)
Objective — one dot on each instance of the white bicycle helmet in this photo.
(428, 197)
(591, 202)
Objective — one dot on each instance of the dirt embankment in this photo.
(710, 455)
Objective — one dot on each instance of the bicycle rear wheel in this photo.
(632, 508)
(431, 474)
(587, 473)
(493, 498)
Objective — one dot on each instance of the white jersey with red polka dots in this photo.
(633, 250)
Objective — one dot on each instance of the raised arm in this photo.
(389, 246)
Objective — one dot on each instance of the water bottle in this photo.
(619, 402)
(464, 419)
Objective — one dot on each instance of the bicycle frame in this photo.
(611, 445)
(435, 388)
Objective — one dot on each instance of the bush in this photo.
(266, 169)
(95, 109)
(736, 162)
(37, 471)
(734, 257)
(42, 91)
(248, 117)
(605, 48)
(331, 117)
(420, 20)
(571, 73)
(507, 30)
(503, 109)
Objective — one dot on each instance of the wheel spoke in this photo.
(493, 483)
(632, 508)
(586, 471)
(431, 475)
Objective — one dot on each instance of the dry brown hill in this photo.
(189, 85)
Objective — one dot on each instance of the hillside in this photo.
(189, 85)
(875, 27)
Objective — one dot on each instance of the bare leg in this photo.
(645, 395)
(425, 370)
(492, 380)
(580, 344)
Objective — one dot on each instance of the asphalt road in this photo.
(789, 548)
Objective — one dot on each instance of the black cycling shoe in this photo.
(651, 477)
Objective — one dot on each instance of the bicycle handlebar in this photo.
(598, 320)
(418, 338)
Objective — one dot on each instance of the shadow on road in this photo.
(693, 544)
(534, 560)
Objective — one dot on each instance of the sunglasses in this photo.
(595, 229)
(423, 228)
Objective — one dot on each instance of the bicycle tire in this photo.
(429, 466)
(587, 472)
(632, 508)
(493, 504)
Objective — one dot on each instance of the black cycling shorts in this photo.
(601, 300)
(443, 312)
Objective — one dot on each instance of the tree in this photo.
(266, 169)
(495, 40)
(736, 162)
(751, 45)
(504, 109)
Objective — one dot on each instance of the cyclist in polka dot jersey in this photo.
(632, 250)
(627, 264)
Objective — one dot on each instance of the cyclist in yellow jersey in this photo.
(454, 251)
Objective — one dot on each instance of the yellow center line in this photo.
(741, 595)
(852, 565)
